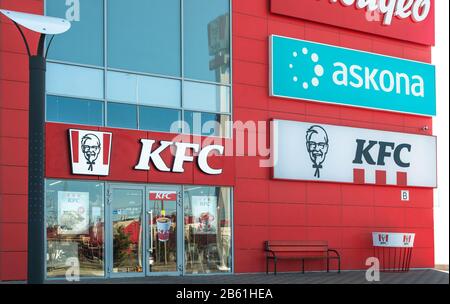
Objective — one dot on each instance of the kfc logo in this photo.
(317, 145)
(90, 152)
(383, 238)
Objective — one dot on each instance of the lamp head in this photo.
(38, 23)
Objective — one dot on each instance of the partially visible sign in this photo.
(204, 211)
(320, 152)
(410, 20)
(73, 212)
(389, 239)
(163, 195)
(90, 152)
(318, 72)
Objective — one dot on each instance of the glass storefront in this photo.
(75, 219)
(112, 229)
(142, 65)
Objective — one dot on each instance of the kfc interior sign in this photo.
(409, 20)
(417, 10)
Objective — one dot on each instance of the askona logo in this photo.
(305, 57)
(90, 152)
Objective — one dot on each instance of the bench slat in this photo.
(297, 243)
(298, 248)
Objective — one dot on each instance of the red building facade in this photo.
(263, 208)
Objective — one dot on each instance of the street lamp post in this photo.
(44, 26)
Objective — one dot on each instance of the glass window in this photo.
(206, 97)
(159, 119)
(158, 91)
(122, 115)
(76, 81)
(83, 43)
(206, 124)
(144, 36)
(207, 218)
(207, 40)
(74, 213)
(121, 87)
(73, 110)
(144, 90)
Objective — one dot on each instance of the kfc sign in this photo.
(90, 152)
(150, 155)
(163, 195)
(410, 20)
(319, 152)
(389, 239)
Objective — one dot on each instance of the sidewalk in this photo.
(426, 276)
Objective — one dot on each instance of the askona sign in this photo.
(318, 72)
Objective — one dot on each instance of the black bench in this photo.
(299, 250)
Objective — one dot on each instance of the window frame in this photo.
(182, 78)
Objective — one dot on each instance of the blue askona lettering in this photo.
(374, 79)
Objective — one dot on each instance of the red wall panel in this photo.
(345, 215)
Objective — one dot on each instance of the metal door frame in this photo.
(179, 223)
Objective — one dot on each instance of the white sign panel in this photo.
(73, 212)
(204, 210)
(90, 152)
(329, 153)
(388, 239)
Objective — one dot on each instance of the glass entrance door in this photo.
(126, 241)
(163, 206)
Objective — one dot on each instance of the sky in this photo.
(441, 130)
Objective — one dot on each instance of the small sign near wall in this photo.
(405, 195)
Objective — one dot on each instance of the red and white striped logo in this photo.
(90, 152)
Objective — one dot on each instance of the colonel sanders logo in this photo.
(317, 145)
(90, 152)
(91, 147)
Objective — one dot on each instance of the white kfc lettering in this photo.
(181, 156)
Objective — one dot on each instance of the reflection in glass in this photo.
(207, 229)
(74, 213)
(162, 232)
(84, 42)
(122, 115)
(159, 119)
(73, 110)
(63, 79)
(121, 87)
(144, 90)
(207, 40)
(144, 36)
(127, 230)
(206, 97)
(206, 124)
